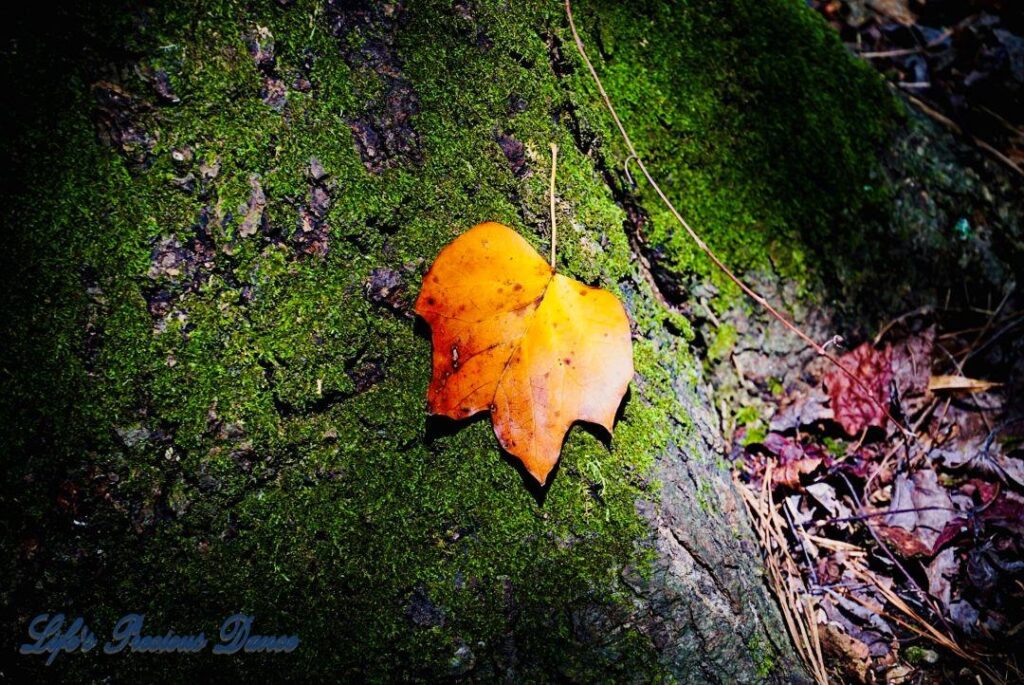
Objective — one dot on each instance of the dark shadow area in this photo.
(437, 427)
(539, 491)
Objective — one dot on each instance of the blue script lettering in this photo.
(235, 636)
(49, 639)
(128, 633)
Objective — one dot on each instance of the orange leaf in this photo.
(536, 349)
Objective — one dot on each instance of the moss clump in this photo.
(763, 655)
(756, 123)
(203, 416)
(723, 342)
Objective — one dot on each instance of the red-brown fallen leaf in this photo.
(981, 490)
(921, 507)
(793, 459)
(1006, 512)
(854, 409)
(953, 530)
(510, 336)
(905, 542)
(912, 362)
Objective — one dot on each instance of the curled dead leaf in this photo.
(960, 383)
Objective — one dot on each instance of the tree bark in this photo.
(217, 382)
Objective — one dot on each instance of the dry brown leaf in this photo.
(960, 383)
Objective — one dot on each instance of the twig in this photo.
(926, 630)
(884, 54)
(625, 168)
(907, 51)
(987, 147)
(873, 514)
(888, 455)
(754, 295)
(798, 610)
(920, 311)
(803, 544)
(554, 221)
(957, 334)
(998, 334)
(1018, 132)
(988, 324)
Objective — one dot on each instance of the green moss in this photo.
(233, 456)
(763, 654)
(919, 655)
(748, 417)
(707, 498)
(837, 448)
(756, 123)
(723, 342)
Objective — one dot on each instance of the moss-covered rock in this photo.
(214, 386)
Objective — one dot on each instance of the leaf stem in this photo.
(554, 223)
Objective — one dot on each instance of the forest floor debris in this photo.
(961, 63)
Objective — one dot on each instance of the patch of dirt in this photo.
(386, 288)
(252, 211)
(466, 11)
(179, 267)
(274, 92)
(515, 152)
